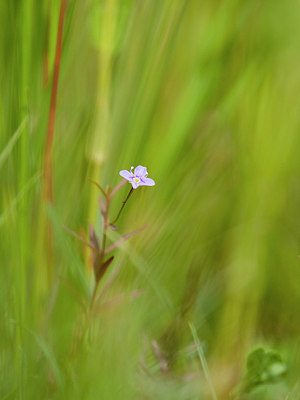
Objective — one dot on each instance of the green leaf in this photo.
(263, 367)
(102, 269)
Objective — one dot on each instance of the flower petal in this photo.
(140, 171)
(147, 182)
(125, 174)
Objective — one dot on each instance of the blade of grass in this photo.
(89, 244)
(143, 268)
(10, 145)
(30, 184)
(123, 239)
(203, 361)
(48, 172)
(50, 357)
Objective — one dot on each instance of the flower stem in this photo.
(93, 295)
(103, 245)
(123, 205)
(105, 226)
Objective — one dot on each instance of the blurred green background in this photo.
(206, 95)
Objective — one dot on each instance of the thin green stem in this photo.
(203, 361)
(102, 254)
(94, 295)
(123, 205)
(98, 186)
(104, 236)
(48, 167)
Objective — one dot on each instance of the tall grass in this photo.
(205, 94)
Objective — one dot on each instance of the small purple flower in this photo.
(138, 177)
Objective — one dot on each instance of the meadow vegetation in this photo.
(206, 95)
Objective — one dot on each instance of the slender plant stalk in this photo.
(48, 167)
(108, 196)
(106, 39)
(21, 312)
(48, 170)
(203, 361)
(46, 50)
(123, 205)
(105, 226)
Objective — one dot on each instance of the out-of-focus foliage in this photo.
(206, 95)
(263, 368)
